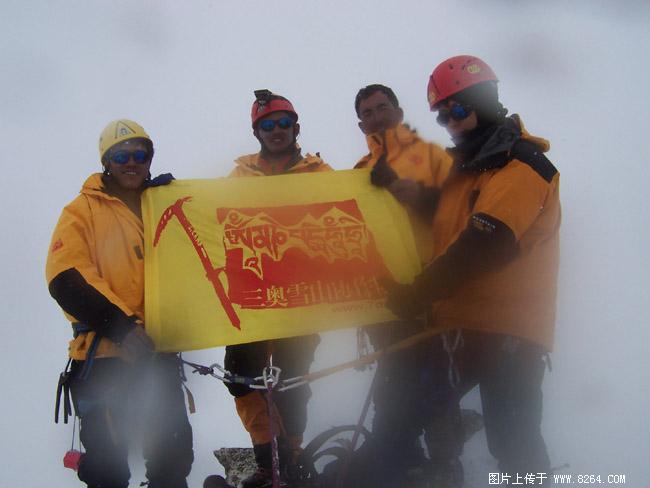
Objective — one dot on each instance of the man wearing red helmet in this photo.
(493, 277)
(275, 126)
(413, 170)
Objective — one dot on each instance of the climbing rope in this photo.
(259, 382)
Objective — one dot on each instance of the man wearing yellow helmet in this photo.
(95, 271)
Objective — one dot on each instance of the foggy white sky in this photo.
(577, 74)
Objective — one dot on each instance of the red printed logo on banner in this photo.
(299, 255)
(292, 256)
(211, 273)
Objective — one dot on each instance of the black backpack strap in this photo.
(531, 154)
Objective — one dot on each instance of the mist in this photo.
(576, 72)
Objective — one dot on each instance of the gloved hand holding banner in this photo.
(235, 260)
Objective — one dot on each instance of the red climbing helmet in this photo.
(456, 74)
(266, 103)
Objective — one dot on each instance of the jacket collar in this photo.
(255, 164)
(391, 141)
(489, 147)
(94, 185)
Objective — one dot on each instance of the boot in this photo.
(263, 476)
(168, 483)
(290, 449)
(446, 474)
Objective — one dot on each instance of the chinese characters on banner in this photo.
(229, 261)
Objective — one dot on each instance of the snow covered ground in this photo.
(577, 73)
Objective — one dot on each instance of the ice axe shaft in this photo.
(176, 210)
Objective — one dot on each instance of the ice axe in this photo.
(212, 273)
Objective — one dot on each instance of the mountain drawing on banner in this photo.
(300, 255)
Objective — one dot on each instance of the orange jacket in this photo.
(411, 158)
(98, 236)
(254, 165)
(519, 298)
(408, 155)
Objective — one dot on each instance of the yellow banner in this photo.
(234, 260)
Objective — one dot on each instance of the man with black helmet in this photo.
(275, 126)
(492, 281)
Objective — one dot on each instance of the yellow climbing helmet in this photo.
(119, 131)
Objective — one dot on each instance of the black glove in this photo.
(130, 336)
(405, 301)
(160, 180)
(382, 174)
(428, 202)
(137, 344)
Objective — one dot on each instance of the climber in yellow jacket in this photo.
(395, 151)
(95, 271)
(413, 170)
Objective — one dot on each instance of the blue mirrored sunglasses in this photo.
(122, 157)
(456, 112)
(267, 125)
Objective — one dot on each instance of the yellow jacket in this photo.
(415, 159)
(519, 298)
(255, 165)
(98, 236)
(408, 155)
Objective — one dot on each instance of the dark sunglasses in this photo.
(267, 125)
(122, 157)
(456, 112)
